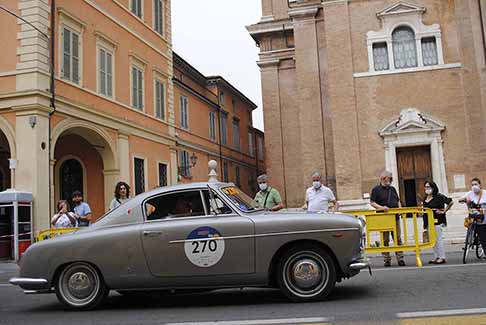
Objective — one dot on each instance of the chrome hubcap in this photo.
(80, 285)
(306, 273)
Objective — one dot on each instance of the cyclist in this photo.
(476, 199)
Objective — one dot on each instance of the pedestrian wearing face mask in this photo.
(440, 204)
(476, 199)
(267, 198)
(318, 197)
(384, 197)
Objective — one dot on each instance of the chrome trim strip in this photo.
(37, 292)
(21, 281)
(266, 235)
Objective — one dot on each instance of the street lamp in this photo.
(193, 160)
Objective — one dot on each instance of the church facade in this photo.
(353, 87)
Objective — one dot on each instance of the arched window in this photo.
(71, 178)
(404, 48)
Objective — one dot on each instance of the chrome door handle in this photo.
(152, 233)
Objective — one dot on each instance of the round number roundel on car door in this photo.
(204, 247)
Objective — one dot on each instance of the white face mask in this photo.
(316, 185)
(476, 188)
(428, 191)
(263, 186)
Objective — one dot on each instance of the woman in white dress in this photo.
(63, 218)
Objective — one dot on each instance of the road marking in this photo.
(446, 266)
(314, 321)
(450, 320)
(5, 285)
(450, 312)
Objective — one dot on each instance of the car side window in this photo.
(175, 205)
(215, 205)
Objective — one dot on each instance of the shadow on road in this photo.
(217, 298)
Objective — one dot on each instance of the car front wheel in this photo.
(81, 286)
(306, 273)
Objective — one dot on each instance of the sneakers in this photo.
(387, 264)
(401, 263)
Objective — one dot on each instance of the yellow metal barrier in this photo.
(378, 221)
(51, 233)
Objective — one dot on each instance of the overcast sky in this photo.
(211, 36)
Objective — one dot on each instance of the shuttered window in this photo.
(159, 100)
(159, 16)
(251, 149)
(236, 134)
(184, 103)
(238, 176)
(212, 126)
(225, 172)
(105, 72)
(184, 165)
(70, 56)
(224, 129)
(136, 7)
(137, 88)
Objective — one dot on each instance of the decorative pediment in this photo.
(401, 8)
(412, 121)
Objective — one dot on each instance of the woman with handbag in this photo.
(440, 204)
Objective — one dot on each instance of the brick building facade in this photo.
(351, 87)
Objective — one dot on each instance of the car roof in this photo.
(186, 186)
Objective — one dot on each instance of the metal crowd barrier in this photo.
(51, 233)
(381, 222)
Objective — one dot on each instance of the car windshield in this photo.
(239, 198)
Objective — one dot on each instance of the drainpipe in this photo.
(483, 33)
(220, 142)
(53, 96)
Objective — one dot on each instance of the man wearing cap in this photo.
(384, 197)
(318, 196)
(267, 198)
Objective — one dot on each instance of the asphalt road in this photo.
(450, 294)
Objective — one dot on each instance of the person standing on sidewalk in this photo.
(267, 198)
(122, 194)
(440, 204)
(318, 197)
(81, 209)
(384, 197)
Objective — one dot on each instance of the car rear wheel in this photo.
(305, 273)
(81, 286)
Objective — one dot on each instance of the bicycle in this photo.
(476, 216)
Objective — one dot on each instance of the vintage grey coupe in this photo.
(195, 236)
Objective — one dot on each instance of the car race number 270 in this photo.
(204, 247)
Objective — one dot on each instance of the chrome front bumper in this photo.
(31, 284)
